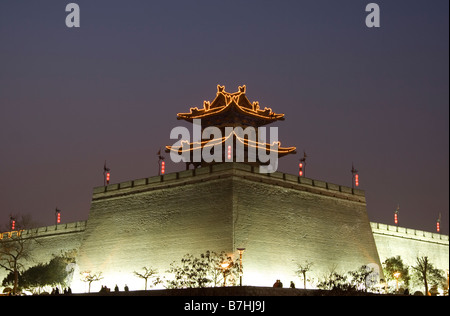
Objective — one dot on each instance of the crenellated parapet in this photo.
(47, 231)
(223, 170)
(409, 233)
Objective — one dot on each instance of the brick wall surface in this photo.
(156, 227)
(279, 221)
(282, 227)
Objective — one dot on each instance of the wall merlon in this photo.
(127, 184)
(304, 180)
(320, 184)
(170, 176)
(97, 190)
(220, 167)
(139, 182)
(186, 174)
(200, 171)
(154, 179)
(277, 175)
(290, 177)
(345, 189)
(112, 187)
(331, 186)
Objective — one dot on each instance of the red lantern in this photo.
(163, 167)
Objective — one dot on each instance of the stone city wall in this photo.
(411, 243)
(282, 220)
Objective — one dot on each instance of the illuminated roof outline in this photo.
(217, 141)
(225, 102)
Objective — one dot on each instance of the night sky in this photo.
(71, 98)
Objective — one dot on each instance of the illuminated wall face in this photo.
(282, 227)
(410, 244)
(153, 225)
(156, 223)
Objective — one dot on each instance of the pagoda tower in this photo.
(237, 123)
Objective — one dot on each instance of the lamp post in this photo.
(396, 276)
(241, 252)
(225, 266)
(161, 163)
(302, 165)
(355, 177)
(396, 215)
(12, 222)
(106, 174)
(447, 282)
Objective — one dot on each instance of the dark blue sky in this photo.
(111, 89)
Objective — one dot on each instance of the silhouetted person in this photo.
(278, 284)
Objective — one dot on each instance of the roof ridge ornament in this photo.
(232, 106)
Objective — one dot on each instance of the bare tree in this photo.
(422, 267)
(15, 249)
(302, 269)
(149, 273)
(426, 272)
(88, 277)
